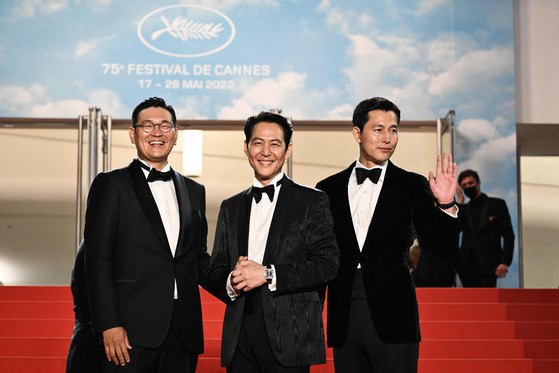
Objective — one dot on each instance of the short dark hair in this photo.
(361, 112)
(467, 173)
(268, 116)
(153, 102)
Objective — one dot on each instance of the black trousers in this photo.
(478, 274)
(363, 350)
(478, 279)
(170, 357)
(85, 353)
(253, 353)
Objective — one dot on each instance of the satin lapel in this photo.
(146, 201)
(389, 188)
(341, 204)
(185, 211)
(469, 217)
(483, 218)
(243, 220)
(280, 220)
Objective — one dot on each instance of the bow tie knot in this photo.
(155, 175)
(158, 175)
(257, 192)
(363, 173)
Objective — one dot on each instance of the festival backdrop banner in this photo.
(227, 59)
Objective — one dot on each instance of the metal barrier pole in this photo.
(439, 135)
(79, 183)
(108, 144)
(290, 159)
(93, 144)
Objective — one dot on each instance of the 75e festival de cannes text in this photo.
(151, 74)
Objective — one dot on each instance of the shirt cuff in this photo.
(454, 214)
(230, 290)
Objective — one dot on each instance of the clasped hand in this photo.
(247, 275)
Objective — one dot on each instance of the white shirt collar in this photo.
(278, 177)
(360, 165)
(146, 172)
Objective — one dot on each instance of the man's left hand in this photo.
(501, 270)
(443, 183)
(248, 275)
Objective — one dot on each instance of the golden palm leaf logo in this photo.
(186, 30)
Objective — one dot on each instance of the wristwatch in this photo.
(269, 274)
(445, 206)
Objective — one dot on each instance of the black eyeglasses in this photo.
(148, 126)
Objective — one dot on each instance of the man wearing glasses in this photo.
(145, 254)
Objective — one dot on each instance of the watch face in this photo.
(268, 273)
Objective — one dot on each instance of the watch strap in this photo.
(445, 206)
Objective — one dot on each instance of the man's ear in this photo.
(245, 147)
(288, 150)
(132, 133)
(357, 134)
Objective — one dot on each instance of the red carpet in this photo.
(464, 330)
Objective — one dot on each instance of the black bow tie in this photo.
(268, 189)
(157, 175)
(363, 173)
(257, 192)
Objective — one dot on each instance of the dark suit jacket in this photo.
(405, 201)
(302, 248)
(84, 352)
(481, 244)
(130, 267)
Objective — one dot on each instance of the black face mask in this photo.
(471, 192)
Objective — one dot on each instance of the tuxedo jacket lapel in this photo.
(483, 216)
(280, 219)
(243, 220)
(387, 194)
(147, 202)
(185, 212)
(469, 217)
(342, 207)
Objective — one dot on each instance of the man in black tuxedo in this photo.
(145, 253)
(84, 352)
(487, 238)
(274, 251)
(373, 322)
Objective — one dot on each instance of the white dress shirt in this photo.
(261, 215)
(166, 199)
(363, 200)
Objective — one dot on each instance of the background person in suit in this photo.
(84, 352)
(373, 322)
(145, 253)
(272, 255)
(487, 238)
